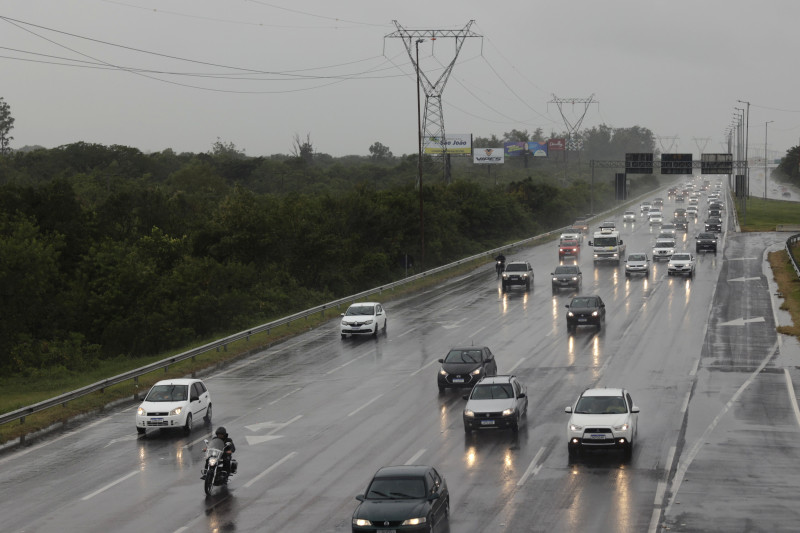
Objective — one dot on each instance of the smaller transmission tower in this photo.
(704, 141)
(673, 143)
(573, 126)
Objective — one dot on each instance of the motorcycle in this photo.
(214, 473)
(500, 266)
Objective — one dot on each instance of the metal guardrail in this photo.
(20, 414)
(791, 241)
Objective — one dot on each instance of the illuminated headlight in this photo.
(505, 275)
(477, 371)
(508, 412)
(671, 251)
(469, 413)
(414, 521)
(623, 427)
(597, 255)
(575, 278)
(570, 314)
(212, 461)
(615, 255)
(361, 522)
(442, 372)
(594, 313)
(555, 279)
(176, 411)
(140, 411)
(574, 427)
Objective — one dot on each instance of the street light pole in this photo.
(765, 157)
(746, 156)
(419, 169)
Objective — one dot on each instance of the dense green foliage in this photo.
(789, 168)
(106, 251)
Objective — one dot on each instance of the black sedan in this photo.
(713, 224)
(411, 498)
(706, 242)
(568, 276)
(585, 311)
(464, 367)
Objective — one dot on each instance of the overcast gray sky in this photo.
(182, 74)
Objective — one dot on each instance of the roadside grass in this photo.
(765, 215)
(19, 392)
(789, 287)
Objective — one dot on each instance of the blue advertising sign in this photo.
(538, 149)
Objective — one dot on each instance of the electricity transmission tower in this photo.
(673, 141)
(704, 140)
(433, 121)
(573, 127)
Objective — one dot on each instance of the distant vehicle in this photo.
(585, 311)
(465, 366)
(174, 404)
(714, 213)
(637, 263)
(518, 273)
(602, 418)
(568, 276)
(363, 318)
(629, 216)
(496, 402)
(706, 242)
(681, 264)
(663, 249)
(680, 198)
(407, 498)
(607, 246)
(644, 207)
(574, 234)
(608, 224)
(692, 211)
(569, 248)
(658, 202)
(679, 211)
(668, 228)
(713, 224)
(655, 218)
(582, 223)
(786, 194)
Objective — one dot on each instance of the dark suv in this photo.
(464, 367)
(518, 273)
(567, 276)
(706, 242)
(586, 311)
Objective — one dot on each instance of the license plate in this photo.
(156, 419)
(582, 320)
(458, 380)
(597, 436)
(487, 422)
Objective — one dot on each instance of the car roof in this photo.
(603, 392)
(180, 381)
(402, 470)
(492, 380)
(364, 303)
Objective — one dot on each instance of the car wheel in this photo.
(515, 426)
(628, 450)
(572, 452)
(344, 335)
(627, 274)
(207, 418)
(141, 431)
(555, 290)
(441, 389)
(467, 429)
(385, 322)
(528, 286)
(505, 288)
(187, 427)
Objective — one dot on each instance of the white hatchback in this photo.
(364, 318)
(602, 418)
(174, 404)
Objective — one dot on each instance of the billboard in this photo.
(676, 163)
(515, 149)
(488, 156)
(456, 143)
(538, 149)
(557, 145)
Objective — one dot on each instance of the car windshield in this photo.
(599, 405)
(605, 241)
(516, 267)
(680, 257)
(583, 302)
(168, 393)
(396, 489)
(360, 310)
(664, 243)
(492, 391)
(707, 236)
(567, 242)
(463, 356)
(566, 270)
(637, 257)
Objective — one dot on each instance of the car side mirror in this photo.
(620, 241)
(465, 397)
(591, 243)
(568, 409)
(567, 306)
(360, 497)
(522, 395)
(634, 409)
(440, 360)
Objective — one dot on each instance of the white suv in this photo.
(602, 418)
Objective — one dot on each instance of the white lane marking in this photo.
(350, 362)
(366, 404)
(268, 470)
(412, 330)
(416, 456)
(532, 468)
(694, 370)
(284, 396)
(253, 440)
(792, 395)
(103, 489)
(517, 364)
(654, 521)
(414, 373)
(742, 321)
(276, 426)
(26, 451)
(744, 279)
(684, 466)
(686, 403)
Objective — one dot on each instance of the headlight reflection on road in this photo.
(596, 351)
(443, 418)
(571, 350)
(470, 457)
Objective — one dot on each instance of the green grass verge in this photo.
(765, 215)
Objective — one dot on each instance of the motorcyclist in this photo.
(222, 434)
(501, 263)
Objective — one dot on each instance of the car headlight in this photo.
(361, 522)
(414, 521)
(594, 313)
(570, 314)
(555, 279)
(442, 372)
(671, 251)
(477, 371)
(508, 412)
(140, 411)
(469, 413)
(176, 411)
(575, 278)
(622, 427)
(575, 427)
(368, 322)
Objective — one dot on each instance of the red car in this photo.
(569, 247)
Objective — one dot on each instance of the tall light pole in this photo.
(419, 168)
(746, 156)
(765, 157)
(739, 144)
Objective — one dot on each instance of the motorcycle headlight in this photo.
(176, 411)
(212, 461)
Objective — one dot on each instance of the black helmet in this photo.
(221, 432)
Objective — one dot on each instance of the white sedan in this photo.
(680, 264)
(364, 318)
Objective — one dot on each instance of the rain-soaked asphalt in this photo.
(314, 417)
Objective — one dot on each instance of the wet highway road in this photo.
(313, 418)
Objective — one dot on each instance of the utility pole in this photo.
(673, 141)
(572, 127)
(746, 156)
(419, 170)
(433, 121)
(765, 157)
(704, 140)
